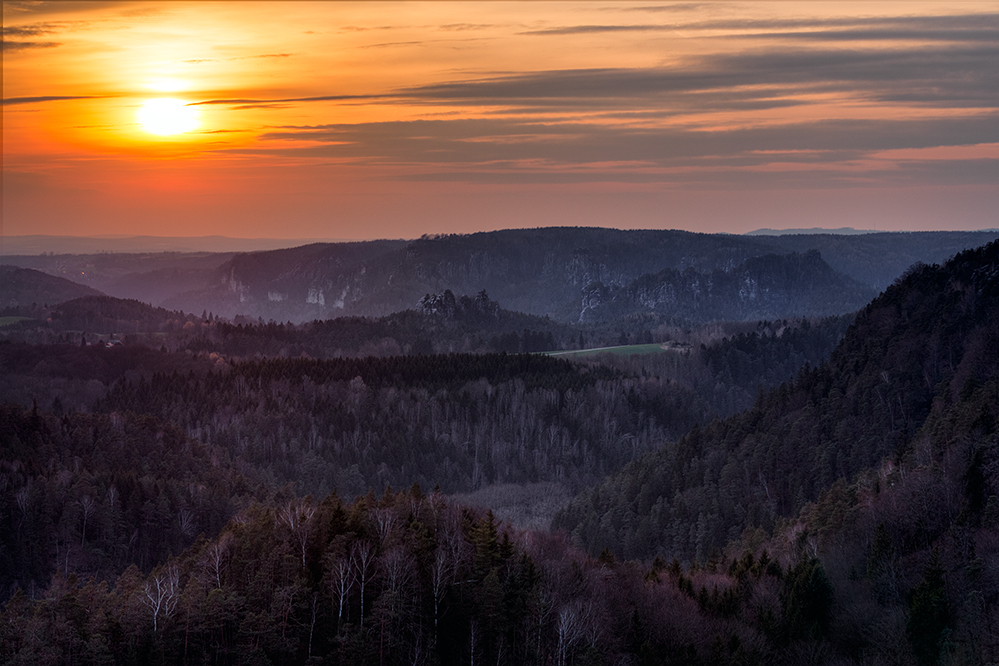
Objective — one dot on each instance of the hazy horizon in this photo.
(38, 244)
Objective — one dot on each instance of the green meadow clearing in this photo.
(623, 350)
(7, 321)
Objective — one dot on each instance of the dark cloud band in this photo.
(47, 98)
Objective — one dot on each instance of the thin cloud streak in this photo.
(974, 27)
(471, 142)
(27, 30)
(48, 98)
(23, 46)
(262, 102)
(941, 76)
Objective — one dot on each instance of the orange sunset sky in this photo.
(370, 120)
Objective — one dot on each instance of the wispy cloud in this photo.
(487, 142)
(46, 98)
(671, 8)
(462, 27)
(421, 42)
(964, 28)
(883, 35)
(286, 100)
(198, 61)
(588, 29)
(263, 55)
(38, 29)
(27, 30)
(21, 46)
(942, 76)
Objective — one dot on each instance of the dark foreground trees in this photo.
(412, 579)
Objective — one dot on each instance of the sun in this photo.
(166, 116)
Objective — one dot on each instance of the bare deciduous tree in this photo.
(314, 606)
(441, 576)
(186, 520)
(341, 582)
(88, 506)
(385, 520)
(399, 569)
(21, 497)
(161, 593)
(362, 558)
(216, 557)
(573, 619)
(298, 517)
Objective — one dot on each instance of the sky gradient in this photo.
(391, 120)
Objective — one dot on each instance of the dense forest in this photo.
(819, 491)
(457, 421)
(95, 493)
(927, 340)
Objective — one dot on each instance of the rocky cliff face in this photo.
(768, 287)
(470, 308)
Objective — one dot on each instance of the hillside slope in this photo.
(24, 286)
(931, 336)
(767, 287)
(877, 259)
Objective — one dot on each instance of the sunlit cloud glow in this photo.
(374, 119)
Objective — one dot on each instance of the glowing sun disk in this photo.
(166, 116)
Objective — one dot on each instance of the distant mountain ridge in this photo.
(536, 271)
(843, 231)
(840, 231)
(544, 271)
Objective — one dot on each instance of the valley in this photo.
(528, 447)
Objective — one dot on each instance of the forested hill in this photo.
(95, 493)
(24, 286)
(458, 421)
(104, 314)
(535, 271)
(409, 332)
(932, 336)
(767, 287)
